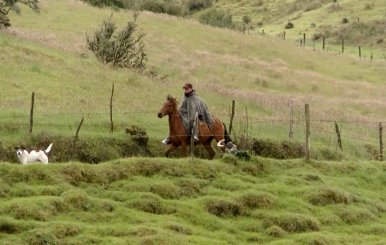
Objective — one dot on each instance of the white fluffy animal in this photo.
(33, 156)
(228, 147)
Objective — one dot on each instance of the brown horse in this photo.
(178, 135)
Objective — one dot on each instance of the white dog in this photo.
(33, 156)
(228, 147)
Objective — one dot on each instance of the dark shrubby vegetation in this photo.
(7, 5)
(162, 7)
(280, 150)
(91, 150)
(217, 18)
(124, 49)
(194, 5)
(103, 3)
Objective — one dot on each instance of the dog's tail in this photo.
(48, 148)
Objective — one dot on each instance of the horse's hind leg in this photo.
(170, 148)
(210, 150)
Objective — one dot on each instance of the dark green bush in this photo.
(162, 7)
(217, 18)
(124, 49)
(289, 25)
(103, 3)
(194, 5)
(278, 149)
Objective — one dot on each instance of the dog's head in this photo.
(19, 150)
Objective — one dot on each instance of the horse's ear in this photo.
(169, 97)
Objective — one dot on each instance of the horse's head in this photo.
(168, 107)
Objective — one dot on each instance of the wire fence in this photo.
(323, 131)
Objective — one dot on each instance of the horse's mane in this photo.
(172, 99)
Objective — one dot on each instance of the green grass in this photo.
(48, 56)
(163, 201)
(312, 17)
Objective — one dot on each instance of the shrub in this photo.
(194, 5)
(162, 7)
(289, 25)
(125, 49)
(217, 18)
(344, 20)
(138, 135)
(280, 150)
(103, 3)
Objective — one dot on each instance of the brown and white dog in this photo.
(228, 147)
(26, 157)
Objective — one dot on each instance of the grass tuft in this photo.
(293, 223)
(275, 231)
(151, 204)
(180, 229)
(224, 208)
(260, 200)
(327, 196)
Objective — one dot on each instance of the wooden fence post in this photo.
(339, 142)
(232, 116)
(284, 35)
(111, 110)
(291, 117)
(304, 39)
(360, 52)
(77, 132)
(380, 142)
(342, 46)
(308, 145)
(324, 42)
(31, 115)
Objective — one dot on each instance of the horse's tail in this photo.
(226, 135)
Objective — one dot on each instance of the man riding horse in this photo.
(191, 106)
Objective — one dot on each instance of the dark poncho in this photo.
(190, 104)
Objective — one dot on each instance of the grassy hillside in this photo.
(46, 53)
(365, 27)
(159, 201)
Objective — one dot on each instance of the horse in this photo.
(178, 136)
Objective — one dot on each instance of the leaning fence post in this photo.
(291, 121)
(380, 142)
(31, 115)
(339, 142)
(232, 116)
(308, 145)
(111, 110)
(77, 131)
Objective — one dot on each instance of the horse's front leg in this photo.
(169, 149)
(184, 150)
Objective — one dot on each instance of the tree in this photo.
(125, 49)
(8, 5)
